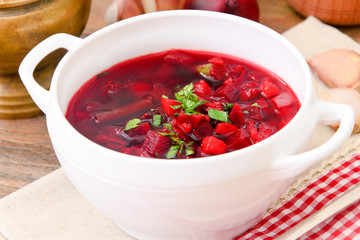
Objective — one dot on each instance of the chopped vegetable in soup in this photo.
(182, 104)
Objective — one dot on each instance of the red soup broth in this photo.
(182, 104)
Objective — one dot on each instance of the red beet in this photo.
(236, 115)
(177, 57)
(202, 88)
(228, 91)
(238, 140)
(156, 144)
(203, 130)
(167, 104)
(212, 145)
(268, 88)
(225, 128)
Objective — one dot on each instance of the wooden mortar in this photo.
(23, 24)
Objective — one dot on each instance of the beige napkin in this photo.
(51, 209)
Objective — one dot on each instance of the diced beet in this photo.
(166, 103)
(194, 119)
(186, 127)
(212, 145)
(268, 88)
(116, 88)
(265, 130)
(283, 100)
(177, 57)
(104, 138)
(229, 81)
(264, 106)
(158, 91)
(140, 130)
(140, 89)
(249, 91)
(252, 130)
(202, 88)
(218, 69)
(165, 72)
(228, 91)
(203, 130)
(236, 115)
(225, 128)
(254, 112)
(217, 105)
(156, 144)
(238, 140)
(135, 150)
(237, 73)
(136, 135)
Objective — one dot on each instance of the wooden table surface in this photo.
(26, 153)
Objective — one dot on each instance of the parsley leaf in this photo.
(156, 120)
(189, 101)
(218, 115)
(173, 151)
(178, 144)
(133, 123)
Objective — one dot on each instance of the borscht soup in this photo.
(180, 104)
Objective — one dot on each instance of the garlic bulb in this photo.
(337, 67)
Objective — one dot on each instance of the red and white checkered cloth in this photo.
(343, 225)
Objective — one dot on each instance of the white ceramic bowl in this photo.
(208, 198)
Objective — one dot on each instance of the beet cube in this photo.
(140, 130)
(236, 115)
(218, 69)
(167, 104)
(228, 91)
(158, 91)
(265, 130)
(225, 128)
(212, 145)
(156, 144)
(202, 88)
(283, 100)
(238, 140)
(252, 130)
(268, 88)
(249, 91)
(140, 89)
(194, 119)
(203, 130)
(177, 57)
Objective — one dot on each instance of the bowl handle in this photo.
(328, 114)
(40, 95)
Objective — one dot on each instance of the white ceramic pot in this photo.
(208, 198)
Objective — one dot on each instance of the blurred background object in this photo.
(335, 12)
(122, 9)
(23, 24)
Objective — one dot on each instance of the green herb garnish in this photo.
(156, 120)
(189, 101)
(133, 123)
(255, 105)
(178, 144)
(218, 115)
(172, 151)
(102, 74)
